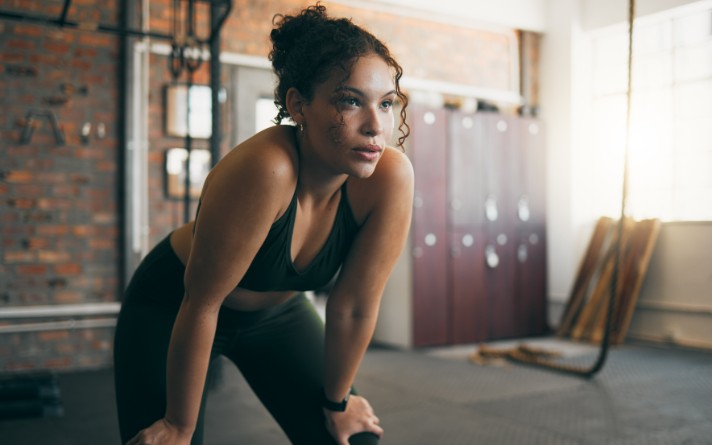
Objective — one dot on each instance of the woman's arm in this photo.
(242, 197)
(352, 307)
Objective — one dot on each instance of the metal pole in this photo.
(216, 21)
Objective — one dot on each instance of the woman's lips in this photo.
(369, 152)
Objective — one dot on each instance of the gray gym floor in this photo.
(645, 395)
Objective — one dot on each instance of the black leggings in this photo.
(279, 351)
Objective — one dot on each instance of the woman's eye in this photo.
(350, 101)
(387, 104)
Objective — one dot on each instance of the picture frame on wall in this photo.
(201, 125)
(200, 164)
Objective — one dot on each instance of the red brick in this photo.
(54, 204)
(85, 52)
(101, 345)
(53, 335)
(32, 269)
(28, 30)
(56, 47)
(80, 179)
(65, 349)
(20, 203)
(19, 256)
(35, 164)
(102, 244)
(106, 167)
(83, 230)
(11, 57)
(66, 190)
(36, 243)
(19, 176)
(28, 190)
(51, 230)
(22, 44)
(51, 177)
(97, 40)
(47, 256)
(65, 297)
(68, 269)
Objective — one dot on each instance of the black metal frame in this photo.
(62, 22)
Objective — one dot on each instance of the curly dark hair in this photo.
(307, 46)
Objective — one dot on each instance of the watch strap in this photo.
(335, 406)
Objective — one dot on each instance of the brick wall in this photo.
(58, 208)
(58, 203)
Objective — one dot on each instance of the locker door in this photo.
(531, 283)
(531, 214)
(533, 159)
(468, 298)
(469, 316)
(496, 133)
(429, 236)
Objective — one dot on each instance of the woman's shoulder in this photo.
(262, 168)
(394, 170)
(391, 181)
(395, 165)
(270, 155)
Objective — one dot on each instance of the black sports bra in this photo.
(272, 268)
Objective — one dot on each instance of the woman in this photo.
(278, 215)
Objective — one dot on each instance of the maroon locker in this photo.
(530, 198)
(427, 149)
(468, 295)
(531, 283)
(532, 156)
(497, 134)
(469, 312)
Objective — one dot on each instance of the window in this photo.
(265, 112)
(670, 163)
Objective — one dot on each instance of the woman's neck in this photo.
(315, 180)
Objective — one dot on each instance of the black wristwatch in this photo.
(335, 406)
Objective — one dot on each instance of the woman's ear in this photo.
(295, 104)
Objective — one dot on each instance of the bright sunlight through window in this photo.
(670, 174)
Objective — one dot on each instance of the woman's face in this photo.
(348, 123)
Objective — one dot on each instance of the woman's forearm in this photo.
(348, 334)
(188, 360)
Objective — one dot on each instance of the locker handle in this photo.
(491, 211)
(523, 209)
(522, 253)
(491, 257)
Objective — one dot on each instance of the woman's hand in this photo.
(161, 432)
(357, 418)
